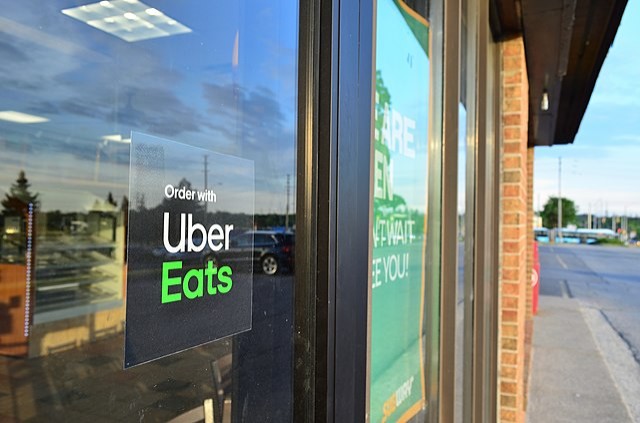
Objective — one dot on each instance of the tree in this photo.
(111, 201)
(19, 196)
(550, 213)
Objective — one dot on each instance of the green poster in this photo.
(399, 202)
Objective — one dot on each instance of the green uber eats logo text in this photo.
(210, 273)
(217, 280)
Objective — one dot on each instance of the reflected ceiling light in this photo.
(18, 117)
(153, 12)
(130, 20)
(116, 138)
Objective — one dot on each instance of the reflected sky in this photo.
(228, 86)
(403, 71)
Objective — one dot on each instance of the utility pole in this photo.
(625, 224)
(206, 177)
(560, 199)
(286, 219)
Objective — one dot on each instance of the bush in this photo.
(605, 241)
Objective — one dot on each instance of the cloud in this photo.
(254, 119)
(11, 54)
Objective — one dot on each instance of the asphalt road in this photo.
(603, 278)
(586, 355)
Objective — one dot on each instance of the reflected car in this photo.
(272, 251)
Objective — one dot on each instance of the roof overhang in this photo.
(566, 42)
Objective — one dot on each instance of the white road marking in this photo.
(562, 263)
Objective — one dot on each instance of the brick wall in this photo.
(515, 274)
(529, 290)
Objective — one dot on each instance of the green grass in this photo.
(604, 241)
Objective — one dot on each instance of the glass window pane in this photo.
(76, 78)
(398, 350)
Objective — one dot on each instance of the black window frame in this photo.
(335, 88)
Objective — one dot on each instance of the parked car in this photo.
(272, 251)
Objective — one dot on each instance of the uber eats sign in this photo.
(216, 279)
(187, 283)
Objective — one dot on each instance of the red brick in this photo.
(512, 233)
(513, 204)
(511, 275)
(511, 247)
(516, 229)
(509, 344)
(508, 372)
(511, 191)
(513, 146)
(508, 387)
(510, 303)
(513, 77)
(511, 119)
(512, 162)
(511, 218)
(510, 261)
(509, 330)
(512, 105)
(508, 401)
(511, 176)
(512, 91)
(511, 133)
(508, 415)
(510, 288)
(509, 358)
(509, 316)
(513, 48)
(512, 63)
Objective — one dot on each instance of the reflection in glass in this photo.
(75, 81)
(399, 212)
(460, 316)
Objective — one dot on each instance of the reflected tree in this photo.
(19, 197)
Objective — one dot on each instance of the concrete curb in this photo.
(618, 358)
(570, 381)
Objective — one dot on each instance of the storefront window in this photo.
(397, 353)
(76, 79)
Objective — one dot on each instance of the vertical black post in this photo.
(355, 110)
(335, 86)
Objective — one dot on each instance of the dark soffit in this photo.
(566, 42)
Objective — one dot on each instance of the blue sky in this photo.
(600, 170)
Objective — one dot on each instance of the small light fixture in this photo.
(544, 104)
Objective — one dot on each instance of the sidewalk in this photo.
(570, 380)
